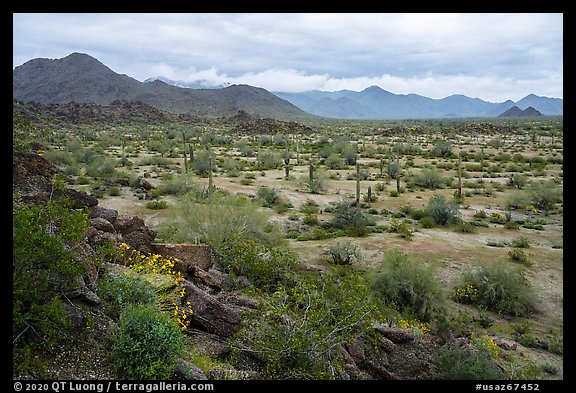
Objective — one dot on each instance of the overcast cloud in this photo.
(490, 56)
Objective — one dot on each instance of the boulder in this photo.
(191, 255)
(101, 212)
(396, 335)
(209, 314)
(102, 224)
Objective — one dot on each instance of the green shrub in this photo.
(427, 222)
(521, 242)
(299, 331)
(409, 285)
(498, 288)
(310, 219)
(218, 220)
(309, 207)
(442, 212)
(350, 217)
(428, 178)
(518, 256)
(344, 253)
(156, 205)
(402, 228)
(268, 196)
(458, 364)
(466, 227)
(178, 185)
(44, 265)
(119, 290)
(147, 344)
(266, 267)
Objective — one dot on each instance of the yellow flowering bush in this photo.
(467, 294)
(417, 327)
(486, 343)
(144, 263)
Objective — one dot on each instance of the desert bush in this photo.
(409, 285)
(402, 228)
(350, 217)
(334, 161)
(517, 180)
(177, 185)
(427, 222)
(465, 227)
(120, 290)
(309, 207)
(498, 288)
(428, 178)
(217, 220)
(344, 253)
(518, 256)
(521, 242)
(147, 344)
(44, 266)
(201, 163)
(156, 205)
(267, 196)
(442, 212)
(299, 331)
(442, 149)
(545, 195)
(267, 267)
(454, 363)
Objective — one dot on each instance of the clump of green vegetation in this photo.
(457, 364)
(217, 220)
(344, 253)
(443, 213)
(119, 290)
(351, 218)
(498, 288)
(409, 285)
(154, 337)
(298, 332)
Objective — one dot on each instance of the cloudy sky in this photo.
(490, 56)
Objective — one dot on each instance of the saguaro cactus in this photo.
(357, 181)
(185, 158)
(369, 195)
(287, 160)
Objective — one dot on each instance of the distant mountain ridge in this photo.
(81, 78)
(376, 103)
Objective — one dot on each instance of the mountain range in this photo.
(81, 78)
(376, 103)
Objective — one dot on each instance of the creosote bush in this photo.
(497, 287)
(409, 285)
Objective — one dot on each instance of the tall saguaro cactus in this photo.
(459, 175)
(287, 160)
(185, 158)
(357, 181)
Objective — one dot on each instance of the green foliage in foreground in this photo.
(298, 331)
(147, 344)
(457, 364)
(44, 266)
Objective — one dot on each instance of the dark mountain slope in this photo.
(82, 79)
